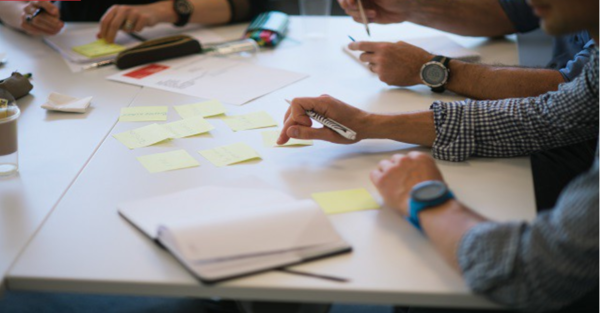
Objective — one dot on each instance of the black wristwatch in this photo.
(436, 73)
(183, 9)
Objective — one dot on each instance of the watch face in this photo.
(434, 74)
(183, 7)
(428, 191)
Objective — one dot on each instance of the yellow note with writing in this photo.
(270, 140)
(231, 154)
(143, 136)
(144, 114)
(168, 161)
(98, 48)
(204, 109)
(345, 201)
(188, 127)
(249, 121)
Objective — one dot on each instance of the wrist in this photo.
(164, 12)
(374, 126)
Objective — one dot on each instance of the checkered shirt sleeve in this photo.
(516, 127)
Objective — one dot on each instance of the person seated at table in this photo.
(548, 264)
(126, 15)
(400, 64)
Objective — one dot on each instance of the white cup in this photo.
(9, 113)
(315, 17)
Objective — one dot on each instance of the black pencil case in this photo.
(158, 50)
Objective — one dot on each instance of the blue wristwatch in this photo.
(426, 195)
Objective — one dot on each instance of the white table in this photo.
(84, 246)
(53, 147)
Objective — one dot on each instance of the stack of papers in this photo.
(218, 236)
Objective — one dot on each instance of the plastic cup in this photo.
(315, 17)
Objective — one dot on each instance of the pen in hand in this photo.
(363, 17)
(331, 124)
(37, 12)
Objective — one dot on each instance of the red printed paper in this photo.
(146, 71)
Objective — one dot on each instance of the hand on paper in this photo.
(134, 18)
(299, 126)
(397, 64)
(379, 11)
(395, 177)
(46, 23)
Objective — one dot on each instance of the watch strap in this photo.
(182, 19)
(414, 207)
(446, 62)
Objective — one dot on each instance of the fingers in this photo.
(47, 24)
(366, 57)
(309, 133)
(48, 7)
(142, 22)
(115, 24)
(366, 46)
(106, 21)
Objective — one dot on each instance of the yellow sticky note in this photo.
(143, 136)
(98, 48)
(231, 154)
(188, 127)
(270, 140)
(168, 161)
(143, 114)
(249, 121)
(345, 201)
(204, 109)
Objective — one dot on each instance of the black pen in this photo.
(37, 12)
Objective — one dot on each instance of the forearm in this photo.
(415, 127)
(463, 17)
(211, 12)
(478, 81)
(445, 226)
(208, 12)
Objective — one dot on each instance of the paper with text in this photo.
(188, 127)
(230, 154)
(204, 109)
(143, 136)
(345, 201)
(231, 81)
(270, 140)
(168, 161)
(144, 114)
(248, 121)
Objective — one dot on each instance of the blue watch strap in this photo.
(414, 207)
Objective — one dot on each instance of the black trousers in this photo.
(552, 171)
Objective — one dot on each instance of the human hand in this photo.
(299, 126)
(46, 23)
(379, 11)
(134, 18)
(397, 64)
(395, 178)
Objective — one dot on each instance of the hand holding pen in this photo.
(41, 18)
(352, 122)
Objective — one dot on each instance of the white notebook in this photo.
(219, 233)
(438, 45)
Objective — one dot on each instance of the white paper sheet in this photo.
(230, 81)
(149, 214)
(246, 231)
